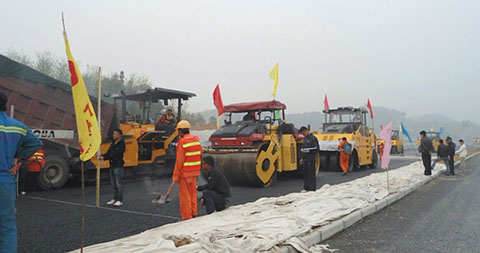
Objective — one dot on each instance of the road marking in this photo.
(104, 208)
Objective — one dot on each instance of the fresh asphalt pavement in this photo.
(441, 216)
(49, 221)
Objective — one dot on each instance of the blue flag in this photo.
(405, 132)
(441, 130)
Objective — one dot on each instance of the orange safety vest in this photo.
(193, 154)
(36, 161)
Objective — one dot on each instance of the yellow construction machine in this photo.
(147, 144)
(253, 149)
(397, 143)
(351, 123)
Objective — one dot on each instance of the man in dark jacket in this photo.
(115, 155)
(308, 155)
(217, 190)
(442, 155)
(451, 154)
(426, 149)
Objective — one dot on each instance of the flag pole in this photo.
(83, 208)
(218, 121)
(99, 112)
(388, 182)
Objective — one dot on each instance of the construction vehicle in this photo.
(434, 136)
(397, 143)
(252, 150)
(45, 105)
(150, 148)
(351, 123)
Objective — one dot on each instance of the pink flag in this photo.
(325, 103)
(386, 135)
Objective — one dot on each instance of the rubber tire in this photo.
(323, 161)
(374, 163)
(334, 162)
(394, 150)
(63, 172)
(353, 162)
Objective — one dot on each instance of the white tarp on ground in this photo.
(260, 226)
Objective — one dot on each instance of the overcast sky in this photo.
(416, 56)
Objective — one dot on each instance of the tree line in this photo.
(112, 83)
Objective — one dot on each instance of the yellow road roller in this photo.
(255, 143)
(351, 123)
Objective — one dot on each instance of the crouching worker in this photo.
(217, 190)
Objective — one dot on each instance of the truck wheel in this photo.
(55, 173)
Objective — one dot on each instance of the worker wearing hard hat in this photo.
(344, 155)
(187, 168)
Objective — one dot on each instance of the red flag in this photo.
(217, 100)
(369, 105)
(325, 103)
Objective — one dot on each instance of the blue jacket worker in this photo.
(217, 190)
(16, 142)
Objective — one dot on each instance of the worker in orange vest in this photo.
(381, 146)
(35, 165)
(187, 168)
(344, 157)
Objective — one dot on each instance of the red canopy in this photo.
(255, 106)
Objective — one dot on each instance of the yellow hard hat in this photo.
(183, 124)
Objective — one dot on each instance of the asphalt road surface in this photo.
(441, 216)
(49, 221)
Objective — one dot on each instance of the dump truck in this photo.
(150, 148)
(435, 137)
(351, 123)
(252, 149)
(397, 143)
(45, 105)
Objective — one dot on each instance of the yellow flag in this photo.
(274, 75)
(89, 136)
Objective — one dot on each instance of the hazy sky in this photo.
(412, 55)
